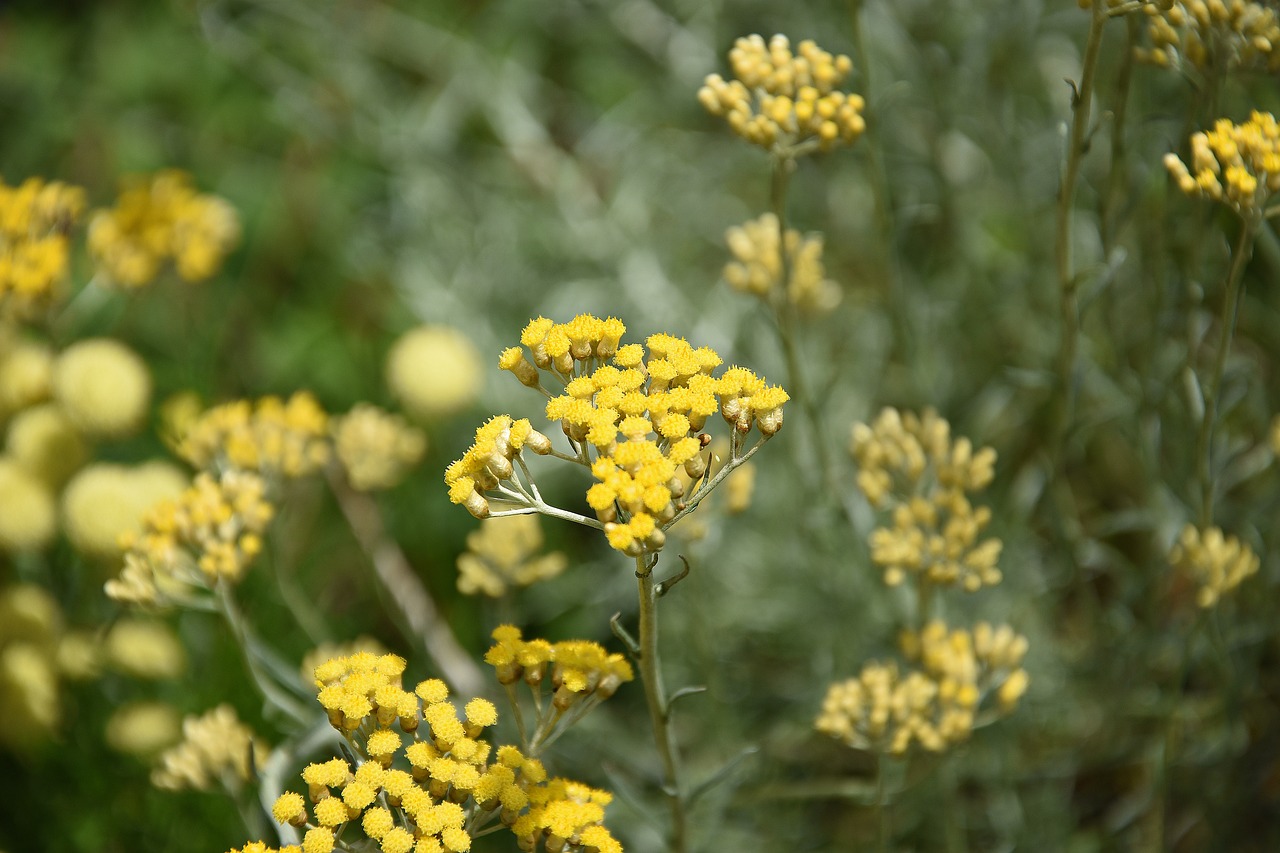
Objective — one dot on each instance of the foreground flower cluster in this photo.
(423, 778)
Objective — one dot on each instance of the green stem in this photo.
(656, 699)
(785, 314)
(1118, 174)
(1230, 309)
(1082, 103)
(882, 806)
(275, 695)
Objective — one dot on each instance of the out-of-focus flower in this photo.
(104, 387)
(104, 501)
(35, 219)
(434, 371)
(376, 448)
(504, 553)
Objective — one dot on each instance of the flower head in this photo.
(35, 219)
(1216, 562)
(785, 100)
(158, 220)
(1236, 164)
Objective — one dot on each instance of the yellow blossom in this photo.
(434, 371)
(157, 220)
(271, 436)
(757, 266)
(28, 516)
(1216, 562)
(504, 553)
(1236, 164)
(376, 447)
(104, 387)
(784, 100)
(1212, 36)
(104, 502)
(216, 748)
(35, 219)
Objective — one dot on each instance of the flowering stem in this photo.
(1081, 104)
(1230, 309)
(655, 698)
(784, 312)
(275, 695)
(729, 467)
(422, 620)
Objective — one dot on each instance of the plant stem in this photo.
(656, 699)
(785, 315)
(1230, 309)
(250, 646)
(1081, 106)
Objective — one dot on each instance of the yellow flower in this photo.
(160, 219)
(784, 101)
(43, 441)
(104, 502)
(1212, 36)
(208, 535)
(434, 371)
(145, 648)
(28, 518)
(1236, 164)
(757, 266)
(35, 219)
(216, 748)
(503, 553)
(26, 374)
(142, 728)
(104, 388)
(1216, 562)
(376, 447)
(270, 436)
(909, 465)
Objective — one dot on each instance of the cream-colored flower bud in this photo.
(538, 443)
(477, 505)
(43, 440)
(28, 518)
(26, 376)
(104, 388)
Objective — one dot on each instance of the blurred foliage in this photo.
(477, 164)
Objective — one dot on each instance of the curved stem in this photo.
(272, 692)
(1082, 103)
(1230, 308)
(656, 699)
(785, 314)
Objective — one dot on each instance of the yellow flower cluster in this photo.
(272, 437)
(888, 710)
(216, 748)
(1221, 35)
(36, 653)
(104, 501)
(504, 553)
(785, 100)
(582, 669)
(1217, 563)
(431, 794)
(376, 447)
(158, 219)
(1236, 164)
(488, 461)
(35, 218)
(635, 420)
(207, 536)
(910, 465)
(757, 268)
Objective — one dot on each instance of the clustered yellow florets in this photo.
(909, 465)
(271, 436)
(207, 536)
(1223, 35)
(785, 100)
(934, 705)
(1236, 164)
(757, 268)
(504, 553)
(1217, 563)
(424, 779)
(376, 447)
(635, 420)
(582, 669)
(35, 218)
(158, 219)
(216, 748)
